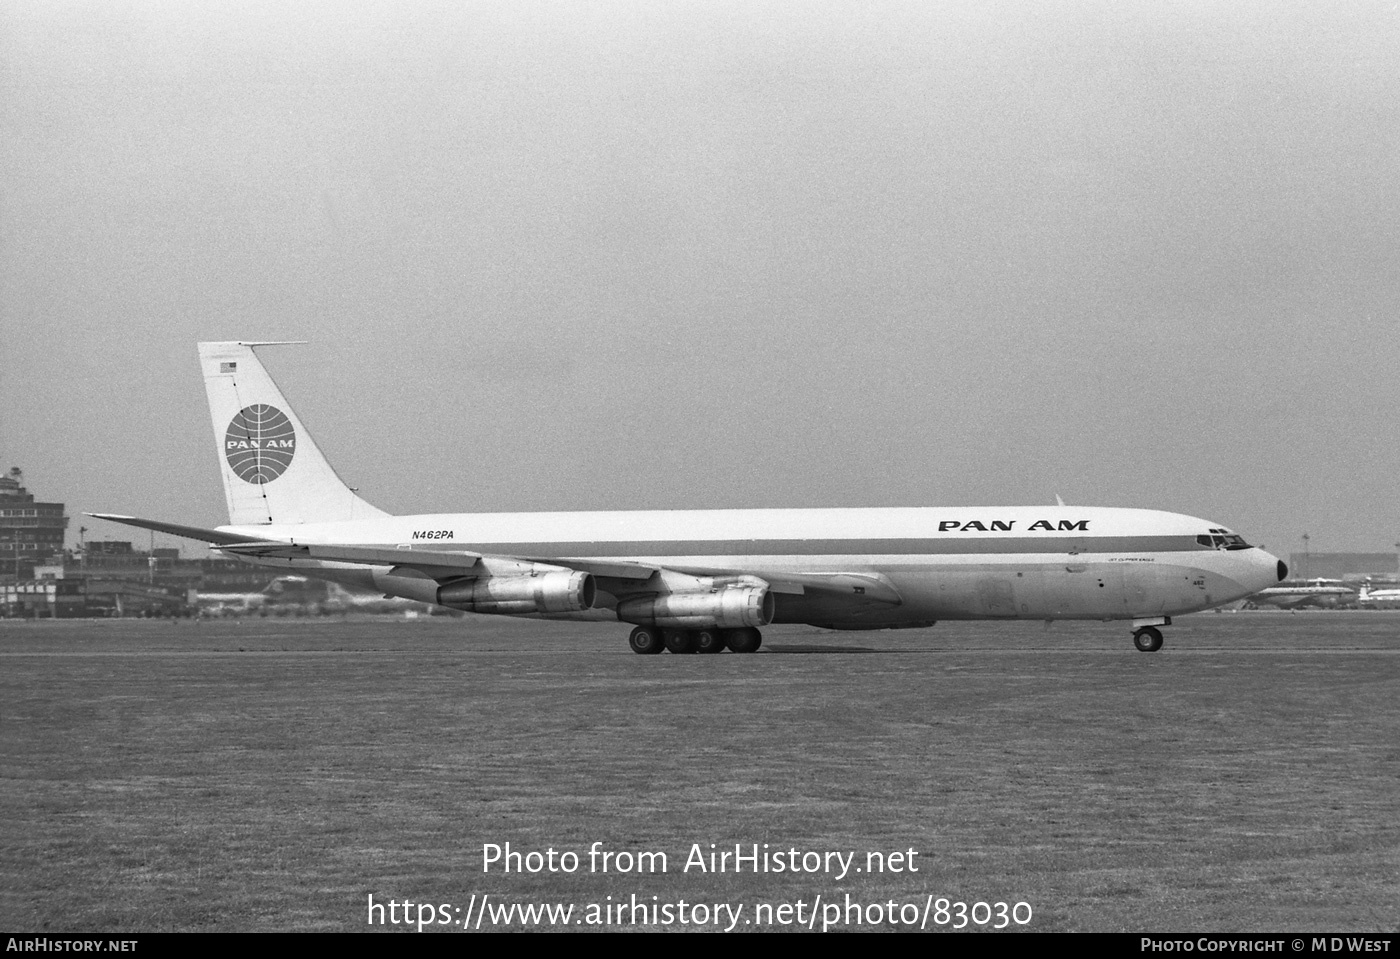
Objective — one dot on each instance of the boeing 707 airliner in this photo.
(705, 580)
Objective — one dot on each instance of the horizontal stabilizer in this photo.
(214, 536)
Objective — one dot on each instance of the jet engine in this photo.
(730, 607)
(552, 591)
(564, 591)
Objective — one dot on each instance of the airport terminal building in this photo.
(40, 579)
(1348, 567)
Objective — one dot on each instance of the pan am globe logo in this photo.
(260, 443)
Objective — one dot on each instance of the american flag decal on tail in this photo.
(228, 367)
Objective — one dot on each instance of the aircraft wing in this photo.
(437, 563)
(603, 569)
(366, 555)
(617, 577)
(862, 587)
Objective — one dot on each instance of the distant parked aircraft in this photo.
(1379, 598)
(220, 604)
(1313, 593)
(341, 600)
(282, 589)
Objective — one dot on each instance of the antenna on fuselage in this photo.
(1058, 501)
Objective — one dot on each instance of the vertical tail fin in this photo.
(271, 468)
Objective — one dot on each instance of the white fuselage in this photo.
(961, 563)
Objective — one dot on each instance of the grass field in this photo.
(272, 774)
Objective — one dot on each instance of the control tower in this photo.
(30, 532)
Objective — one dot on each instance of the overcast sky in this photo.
(668, 255)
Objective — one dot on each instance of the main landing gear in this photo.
(650, 640)
(1146, 636)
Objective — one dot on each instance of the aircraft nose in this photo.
(1258, 570)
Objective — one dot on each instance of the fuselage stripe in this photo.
(838, 547)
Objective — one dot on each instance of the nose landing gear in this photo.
(1146, 636)
(1147, 639)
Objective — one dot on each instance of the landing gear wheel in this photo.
(1147, 639)
(746, 640)
(709, 641)
(678, 640)
(646, 640)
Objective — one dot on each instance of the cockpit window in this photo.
(1219, 539)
